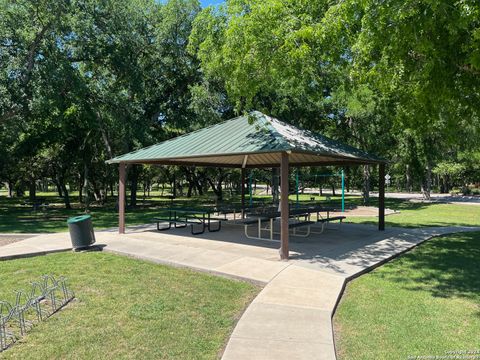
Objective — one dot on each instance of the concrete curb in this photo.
(32, 254)
(182, 266)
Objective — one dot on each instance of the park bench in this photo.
(184, 223)
(301, 224)
(327, 220)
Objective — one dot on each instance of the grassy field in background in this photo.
(127, 309)
(17, 214)
(415, 215)
(426, 302)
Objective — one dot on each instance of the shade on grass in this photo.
(426, 302)
(127, 309)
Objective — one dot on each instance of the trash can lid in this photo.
(76, 219)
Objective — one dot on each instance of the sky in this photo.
(206, 3)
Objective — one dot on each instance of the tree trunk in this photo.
(80, 193)
(427, 182)
(96, 191)
(86, 200)
(19, 191)
(191, 184)
(408, 179)
(59, 188)
(9, 187)
(32, 190)
(217, 188)
(275, 184)
(66, 196)
(366, 184)
(174, 192)
(190, 189)
(133, 186)
(80, 187)
(198, 184)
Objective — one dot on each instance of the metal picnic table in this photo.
(190, 216)
(297, 213)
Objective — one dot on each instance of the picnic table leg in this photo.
(163, 229)
(271, 229)
(259, 228)
(175, 220)
(198, 232)
(217, 229)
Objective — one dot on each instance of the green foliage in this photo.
(400, 78)
(83, 81)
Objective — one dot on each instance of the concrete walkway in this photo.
(291, 316)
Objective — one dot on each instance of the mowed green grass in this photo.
(414, 215)
(127, 309)
(426, 302)
(18, 216)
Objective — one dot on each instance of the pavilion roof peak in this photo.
(254, 134)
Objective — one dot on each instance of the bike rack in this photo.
(44, 299)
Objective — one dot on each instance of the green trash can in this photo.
(81, 231)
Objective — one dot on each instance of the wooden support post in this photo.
(121, 199)
(381, 197)
(243, 192)
(284, 252)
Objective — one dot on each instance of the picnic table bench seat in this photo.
(184, 223)
(327, 220)
(333, 218)
(251, 221)
(300, 224)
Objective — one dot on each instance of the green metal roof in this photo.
(239, 142)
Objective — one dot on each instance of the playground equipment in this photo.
(45, 298)
(341, 174)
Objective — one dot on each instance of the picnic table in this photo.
(301, 215)
(195, 217)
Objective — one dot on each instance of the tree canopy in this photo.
(82, 81)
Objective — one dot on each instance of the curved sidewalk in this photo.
(291, 316)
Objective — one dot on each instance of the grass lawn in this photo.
(426, 302)
(421, 215)
(127, 309)
(17, 215)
